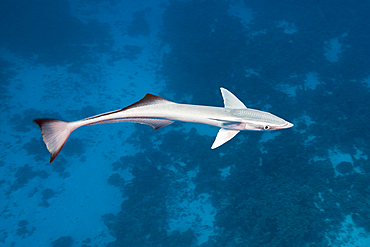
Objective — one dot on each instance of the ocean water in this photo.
(128, 185)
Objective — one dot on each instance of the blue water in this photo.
(128, 185)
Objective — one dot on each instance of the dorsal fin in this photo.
(149, 99)
(230, 100)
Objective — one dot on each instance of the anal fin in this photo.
(156, 123)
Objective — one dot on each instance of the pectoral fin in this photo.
(223, 135)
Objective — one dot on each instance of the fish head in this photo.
(261, 121)
(274, 126)
(266, 126)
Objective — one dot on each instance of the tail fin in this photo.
(55, 134)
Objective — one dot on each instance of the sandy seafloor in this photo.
(128, 185)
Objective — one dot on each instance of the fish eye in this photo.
(266, 127)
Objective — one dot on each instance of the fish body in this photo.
(159, 112)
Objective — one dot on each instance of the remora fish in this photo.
(158, 112)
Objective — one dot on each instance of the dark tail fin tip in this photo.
(55, 134)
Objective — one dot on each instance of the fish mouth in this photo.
(287, 125)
